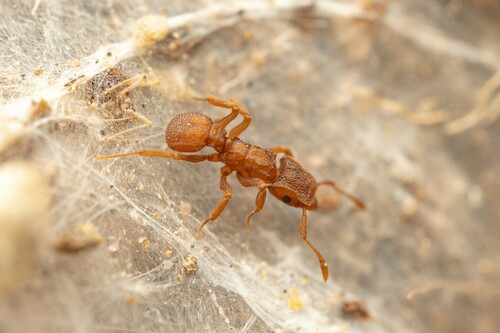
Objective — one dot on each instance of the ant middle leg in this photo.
(221, 205)
(236, 108)
(303, 233)
(166, 154)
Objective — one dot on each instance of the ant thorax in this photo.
(250, 161)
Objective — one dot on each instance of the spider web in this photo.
(361, 93)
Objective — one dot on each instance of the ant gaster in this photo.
(254, 166)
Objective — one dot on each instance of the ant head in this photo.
(191, 132)
(294, 186)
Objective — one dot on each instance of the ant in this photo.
(254, 166)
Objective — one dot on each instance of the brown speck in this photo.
(40, 109)
(294, 302)
(38, 71)
(190, 265)
(181, 231)
(129, 299)
(175, 45)
(481, 137)
(486, 267)
(247, 36)
(377, 6)
(355, 309)
(73, 63)
(144, 241)
(305, 278)
(259, 58)
(70, 84)
(83, 238)
(263, 273)
(409, 208)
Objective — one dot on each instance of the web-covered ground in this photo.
(395, 101)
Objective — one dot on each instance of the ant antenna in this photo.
(358, 202)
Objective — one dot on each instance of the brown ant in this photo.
(254, 166)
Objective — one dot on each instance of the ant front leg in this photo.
(236, 108)
(221, 205)
(303, 233)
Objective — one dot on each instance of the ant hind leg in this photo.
(166, 154)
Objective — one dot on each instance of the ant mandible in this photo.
(254, 166)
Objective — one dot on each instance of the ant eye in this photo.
(286, 199)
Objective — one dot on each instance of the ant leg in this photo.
(260, 199)
(223, 122)
(303, 233)
(281, 149)
(167, 154)
(236, 108)
(358, 202)
(217, 101)
(219, 207)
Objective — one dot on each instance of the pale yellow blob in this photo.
(24, 206)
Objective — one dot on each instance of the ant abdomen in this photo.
(191, 131)
(188, 132)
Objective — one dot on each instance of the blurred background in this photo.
(396, 101)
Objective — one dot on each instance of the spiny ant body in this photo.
(254, 166)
